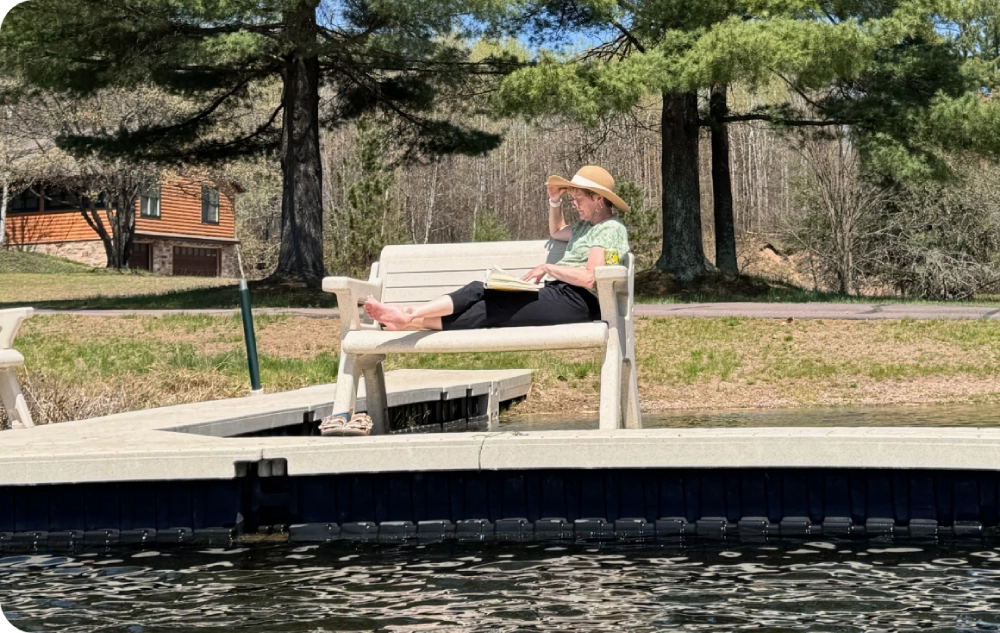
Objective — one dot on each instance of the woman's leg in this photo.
(558, 302)
(401, 317)
(425, 315)
(474, 307)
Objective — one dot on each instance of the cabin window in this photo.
(149, 203)
(209, 205)
(100, 203)
(57, 198)
(27, 200)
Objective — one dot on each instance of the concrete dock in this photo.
(196, 441)
(208, 471)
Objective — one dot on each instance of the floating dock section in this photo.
(210, 471)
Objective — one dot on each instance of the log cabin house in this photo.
(182, 227)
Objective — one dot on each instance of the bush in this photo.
(488, 227)
(928, 240)
(942, 240)
(369, 218)
(643, 222)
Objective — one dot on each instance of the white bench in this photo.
(421, 272)
(10, 359)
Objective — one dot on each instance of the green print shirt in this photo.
(610, 233)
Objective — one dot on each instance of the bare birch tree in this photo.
(840, 209)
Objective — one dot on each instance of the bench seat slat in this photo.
(514, 339)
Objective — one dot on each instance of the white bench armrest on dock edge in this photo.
(416, 273)
(10, 360)
(350, 294)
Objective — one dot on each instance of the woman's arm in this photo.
(574, 275)
(558, 229)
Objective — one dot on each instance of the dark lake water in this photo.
(841, 586)
(823, 585)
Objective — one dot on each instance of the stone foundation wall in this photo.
(90, 253)
(163, 256)
(230, 267)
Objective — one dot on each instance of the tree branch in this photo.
(628, 35)
(773, 119)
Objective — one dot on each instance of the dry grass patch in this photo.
(772, 363)
(81, 367)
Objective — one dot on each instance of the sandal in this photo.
(338, 424)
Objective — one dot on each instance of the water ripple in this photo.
(503, 587)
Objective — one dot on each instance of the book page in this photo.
(499, 279)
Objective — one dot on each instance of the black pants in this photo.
(558, 302)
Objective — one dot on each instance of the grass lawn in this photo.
(21, 262)
(81, 290)
(79, 367)
(42, 281)
(148, 292)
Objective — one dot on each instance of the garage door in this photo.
(196, 262)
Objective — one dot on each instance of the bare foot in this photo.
(390, 316)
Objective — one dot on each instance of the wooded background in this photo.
(855, 141)
(799, 197)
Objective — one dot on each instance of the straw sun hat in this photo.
(593, 179)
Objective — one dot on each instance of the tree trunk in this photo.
(114, 218)
(125, 221)
(301, 252)
(722, 189)
(683, 254)
(93, 219)
(120, 217)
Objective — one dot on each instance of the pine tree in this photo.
(330, 62)
(880, 69)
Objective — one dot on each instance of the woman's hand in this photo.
(535, 274)
(555, 192)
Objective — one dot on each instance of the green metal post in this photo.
(250, 338)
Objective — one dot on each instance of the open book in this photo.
(499, 279)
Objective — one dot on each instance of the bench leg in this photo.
(13, 400)
(352, 367)
(493, 408)
(630, 389)
(630, 383)
(611, 381)
(375, 395)
(348, 378)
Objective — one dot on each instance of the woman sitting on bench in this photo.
(567, 295)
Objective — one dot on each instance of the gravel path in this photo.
(848, 311)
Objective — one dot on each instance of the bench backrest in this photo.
(421, 272)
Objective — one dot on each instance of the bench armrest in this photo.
(350, 294)
(613, 292)
(356, 287)
(10, 321)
